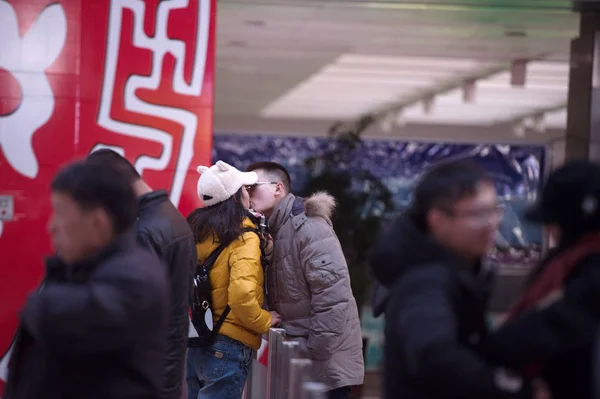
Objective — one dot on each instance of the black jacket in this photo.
(94, 330)
(561, 334)
(435, 320)
(162, 229)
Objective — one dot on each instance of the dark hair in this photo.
(222, 222)
(278, 170)
(444, 185)
(92, 185)
(115, 160)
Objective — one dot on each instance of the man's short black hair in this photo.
(444, 185)
(275, 169)
(93, 185)
(115, 160)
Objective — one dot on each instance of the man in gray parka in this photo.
(308, 282)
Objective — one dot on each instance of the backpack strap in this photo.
(221, 319)
(262, 241)
(208, 264)
(212, 258)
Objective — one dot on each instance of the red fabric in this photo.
(264, 357)
(551, 280)
(555, 274)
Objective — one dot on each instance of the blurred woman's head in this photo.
(569, 206)
(222, 189)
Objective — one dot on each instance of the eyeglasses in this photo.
(479, 215)
(251, 188)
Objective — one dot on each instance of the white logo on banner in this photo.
(160, 45)
(27, 58)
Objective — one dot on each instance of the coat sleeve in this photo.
(328, 278)
(244, 282)
(107, 313)
(145, 240)
(421, 320)
(567, 322)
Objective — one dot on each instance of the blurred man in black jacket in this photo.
(162, 229)
(97, 328)
(430, 260)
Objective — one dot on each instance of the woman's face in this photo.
(245, 198)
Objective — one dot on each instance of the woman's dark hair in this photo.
(222, 222)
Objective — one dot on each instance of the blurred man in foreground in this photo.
(97, 328)
(431, 261)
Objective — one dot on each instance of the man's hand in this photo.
(276, 319)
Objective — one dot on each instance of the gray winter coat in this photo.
(308, 283)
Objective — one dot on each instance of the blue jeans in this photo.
(218, 371)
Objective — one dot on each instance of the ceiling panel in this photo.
(273, 52)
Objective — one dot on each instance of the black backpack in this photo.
(202, 305)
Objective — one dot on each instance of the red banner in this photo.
(132, 75)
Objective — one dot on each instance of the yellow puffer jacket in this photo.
(236, 279)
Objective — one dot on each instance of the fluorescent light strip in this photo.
(355, 84)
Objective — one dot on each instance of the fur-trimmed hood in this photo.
(320, 204)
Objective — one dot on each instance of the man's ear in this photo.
(280, 189)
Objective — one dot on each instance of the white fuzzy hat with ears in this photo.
(221, 181)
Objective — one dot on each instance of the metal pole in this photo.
(289, 349)
(275, 338)
(314, 390)
(279, 369)
(298, 375)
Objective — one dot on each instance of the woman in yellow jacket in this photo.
(219, 371)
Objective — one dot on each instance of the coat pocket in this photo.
(321, 267)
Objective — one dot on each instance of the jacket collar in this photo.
(406, 246)
(57, 270)
(282, 212)
(152, 198)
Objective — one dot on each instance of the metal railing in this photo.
(288, 375)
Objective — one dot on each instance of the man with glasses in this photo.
(308, 282)
(431, 261)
